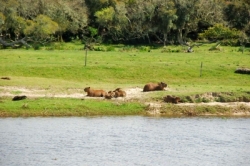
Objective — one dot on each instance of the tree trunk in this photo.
(165, 39)
(14, 44)
(180, 37)
(149, 41)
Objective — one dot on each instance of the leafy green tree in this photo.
(210, 11)
(167, 16)
(41, 28)
(188, 18)
(28, 11)
(105, 16)
(140, 20)
(71, 16)
(8, 9)
(113, 20)
(2, 22)
(122, 20)
(220, 32)
(237, 14)
(45, 26)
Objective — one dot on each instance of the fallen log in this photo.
(14, 44)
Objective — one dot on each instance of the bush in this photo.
(110, 48)
(188, 99)
(144, 49)
(36, 47)
(202, 99)
(230, 42)
(170, 50)
(128, 48)
(99, 49)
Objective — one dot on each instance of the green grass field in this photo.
(60, 70)
(181, 71)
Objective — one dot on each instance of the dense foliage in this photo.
(125, 21)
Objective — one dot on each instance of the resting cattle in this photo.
(110, 95)
(95, 93)
(154, 86)
(171, 99)
(119, 93)
(16, 98)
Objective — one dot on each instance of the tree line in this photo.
(124, 21)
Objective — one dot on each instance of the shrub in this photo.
(170, 50)
(110, 48)
(99, 49)
(144, 49)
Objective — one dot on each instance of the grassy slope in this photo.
(64, 69)
(181, 71)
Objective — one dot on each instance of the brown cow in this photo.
(154, 86)
(110, 95)
(119, 93)
(95, 93)
(171, 99)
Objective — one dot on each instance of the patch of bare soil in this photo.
(70, 93)
(153, 107)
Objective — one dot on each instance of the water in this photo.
(125, 141)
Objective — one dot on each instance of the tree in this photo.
(28, 11)
(2, 22)
(166, 14)
(38, 30)
(105, 16)
(42, 28)
(71, 16)
(187, 18)
(237, 15)
(140, 16)
(137, 21)
(12, 25)
(113, 19)
(206, 14)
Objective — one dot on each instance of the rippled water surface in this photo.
(125, 141)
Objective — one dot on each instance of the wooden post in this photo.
(86, 52)
(86, 47)
(242, 49)
(201, 70)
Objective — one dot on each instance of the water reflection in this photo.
(126, 141)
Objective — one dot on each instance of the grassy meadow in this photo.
(64, 70)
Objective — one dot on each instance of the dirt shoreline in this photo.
(153, 107)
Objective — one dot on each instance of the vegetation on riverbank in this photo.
(67, 107)
(63, 72)
(58, 107)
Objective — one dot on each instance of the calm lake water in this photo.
(125, 141)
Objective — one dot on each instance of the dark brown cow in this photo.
(154, 86)
(119, 93)
(5, 78)
(95, 93)
(171, 99)
(16, 98)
